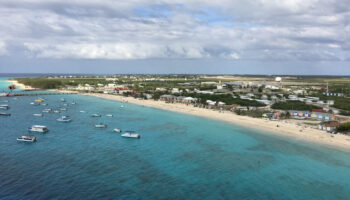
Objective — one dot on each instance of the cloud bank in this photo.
(313, 30)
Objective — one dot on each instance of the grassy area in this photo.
(293, 105)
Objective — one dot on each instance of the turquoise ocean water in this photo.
(178, 157)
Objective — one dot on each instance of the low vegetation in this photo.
(41, 83)
(344, 128)
(293, 105)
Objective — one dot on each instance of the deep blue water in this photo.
(178, 157)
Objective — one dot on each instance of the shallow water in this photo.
(178, 157)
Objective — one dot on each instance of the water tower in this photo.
(279, 80)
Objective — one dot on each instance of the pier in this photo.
(40, 93)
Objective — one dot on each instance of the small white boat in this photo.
(65, 104)
(47, 110)
(38, 128)
(117, 130)
(4, 101)
(32, 103)
(73, 103)
(101, 125)
(63, 100)
(131, 134)
(44, 104)
(83, 111)
(4, 107)
(56, 111)
(64, 119)
(122, 106)
(37, 115)
(26, 139)
(63, 109)
(109, 115)
(95, 115)
(3, 94)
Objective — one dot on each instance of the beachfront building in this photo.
(329, 126)
(267, 115)
(321, 114)
(189, 100)
(211, 103)
(167, 97)
(317, 114)
(175, 91)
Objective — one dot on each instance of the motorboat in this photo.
(63, 100)
(63, 109)
(73, 103)
(130, 134)
(38, 128)
(4, 94)
(25, 138)
(83, 111)
(44, 104)
(38, 100)
(95, 115)
(117, 130)
(4, 107)
(56, 111)
(37, 115)
(4, 101)
(122, 106)
(47, 110)
(109, 115)
(100, 125)
(5, 114)
(65, 104)
(64, 119)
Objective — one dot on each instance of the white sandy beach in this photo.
(20, 85)
(285, 128)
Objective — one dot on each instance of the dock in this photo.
(40, 93)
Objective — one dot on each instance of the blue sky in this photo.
(163, 36)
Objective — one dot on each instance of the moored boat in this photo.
(38, 128)
(25, 138)
(131, 134)
(117, 130)
(63, 100)
(5, 114)
(100, 125)
(95, 115)
(37, 115)
(47, 110)
(109, 115)
(4, 107)
(3, 94)
(64, 119)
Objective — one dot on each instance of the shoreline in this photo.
(20, 85)
(285, 128)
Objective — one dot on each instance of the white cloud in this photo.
(3, 49)
(191, 29)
